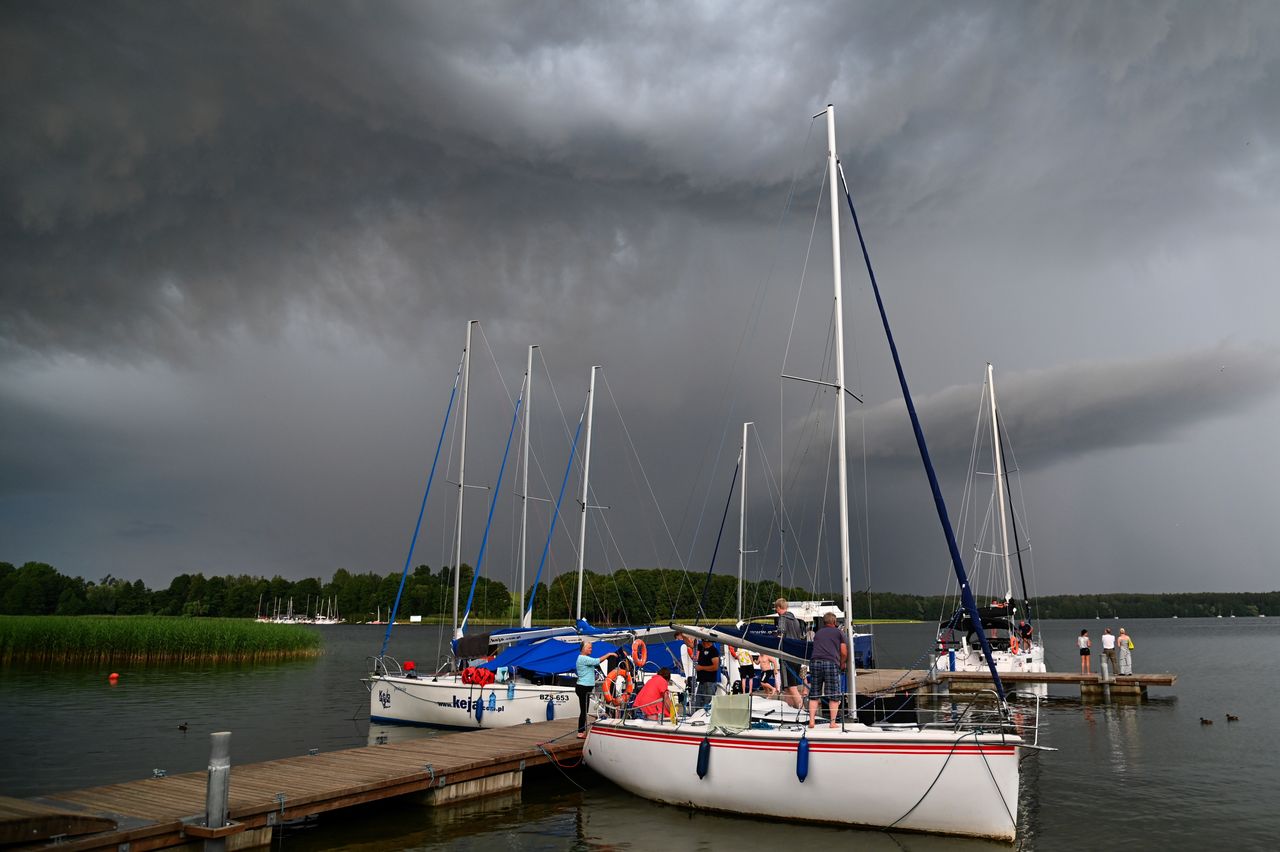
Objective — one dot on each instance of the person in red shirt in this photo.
(651, 700)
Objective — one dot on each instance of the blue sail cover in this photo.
(559, 657)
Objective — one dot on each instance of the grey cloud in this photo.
(1055, 415)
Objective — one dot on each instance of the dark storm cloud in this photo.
(237, 240)
(181, 171)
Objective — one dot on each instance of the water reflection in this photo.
(555, 814)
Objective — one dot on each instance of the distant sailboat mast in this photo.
(998, 461)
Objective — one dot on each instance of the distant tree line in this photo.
(625, 596)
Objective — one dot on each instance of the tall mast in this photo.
(586, 470)
(462, 479)
(526, 620)
(742, 514)
(998, 461)
(833, 181)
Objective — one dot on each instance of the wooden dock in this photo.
(1092, 686)
(157, 813)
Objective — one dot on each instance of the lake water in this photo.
(1146, 776)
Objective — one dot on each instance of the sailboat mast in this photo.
(846, 583)
(586, 470)
(998, 461)
(526, 620)
(742, 514)
(462, 479)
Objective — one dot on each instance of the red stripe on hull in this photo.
(826, 748)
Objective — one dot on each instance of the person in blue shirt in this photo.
(587, 669)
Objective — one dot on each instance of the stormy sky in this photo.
(240, 243)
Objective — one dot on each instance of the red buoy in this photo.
(112, 678)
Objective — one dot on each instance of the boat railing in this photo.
(980, 712)
(385, 665)
(977, 713)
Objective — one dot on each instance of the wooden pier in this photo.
(158, 813)
(1093, 687)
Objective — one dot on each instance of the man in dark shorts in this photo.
(830, 654)
(789, 627)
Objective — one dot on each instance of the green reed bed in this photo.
(149, 639)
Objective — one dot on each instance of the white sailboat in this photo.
(1015, 646)
(950, 776)
(491, 694)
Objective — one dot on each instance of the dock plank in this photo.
(24, 821)
(310, 784)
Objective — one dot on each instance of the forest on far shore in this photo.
(626, 596)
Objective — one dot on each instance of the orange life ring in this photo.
(639, 652)
(617, 698)
(1013, 643)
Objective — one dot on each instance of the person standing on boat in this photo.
(708, 666)
(1084, 643)
(768, 667)
(789, 627)
(746, 671)
(830, 653)
(1125, 645)
(1109, 649)
(587, 668)
(688, 651)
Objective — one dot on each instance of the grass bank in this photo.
(149, 639)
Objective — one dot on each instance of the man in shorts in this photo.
(789, 627)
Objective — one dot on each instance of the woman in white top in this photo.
(1084, 643)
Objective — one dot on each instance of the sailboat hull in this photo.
(1030, 661)
(447, 702)
(942, 782)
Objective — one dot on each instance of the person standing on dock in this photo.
(1109, 649)
(587, 669)
(1126, 652)
(1084, 643)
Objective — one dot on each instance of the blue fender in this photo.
(704, 756)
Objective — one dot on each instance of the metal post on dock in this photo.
(217, 793)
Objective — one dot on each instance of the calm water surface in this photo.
(1148, 776)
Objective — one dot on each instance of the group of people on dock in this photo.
(703, 664)
(1117, 650)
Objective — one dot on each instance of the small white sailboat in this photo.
(531, 677)
(950, 775)
(1015, 647)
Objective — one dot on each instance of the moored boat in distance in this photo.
(1007, 623)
